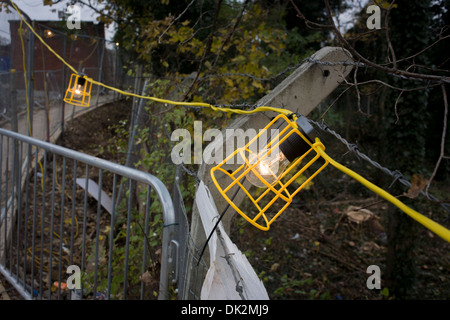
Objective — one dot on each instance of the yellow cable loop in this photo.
(426, 222)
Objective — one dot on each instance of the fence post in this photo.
(182, 235)
(63, 88)
(100, 71)
(13, 101)
(30, 78)
(301, 92)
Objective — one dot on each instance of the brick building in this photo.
(83, 50)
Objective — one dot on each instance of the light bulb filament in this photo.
(78, 89)
(264, 168)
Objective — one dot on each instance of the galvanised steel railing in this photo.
(61, 211)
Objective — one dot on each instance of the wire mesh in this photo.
(33, 82)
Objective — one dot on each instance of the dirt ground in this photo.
(324, 254)
(321, 246)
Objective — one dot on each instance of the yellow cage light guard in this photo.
(277, 194)
(78, 91)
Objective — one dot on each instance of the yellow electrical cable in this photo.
(198, 104)
(426, 222)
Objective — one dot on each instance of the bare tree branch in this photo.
(207, 48)
(444, 130)
(308, 23)
(358, 56)
(395, 107)
(230, 34)
(175, 20)
(8, 2)
(388, 39)
(421, 51)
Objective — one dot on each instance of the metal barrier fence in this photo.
(60, 211)
(191, 270)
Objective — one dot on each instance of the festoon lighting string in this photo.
(317, 146)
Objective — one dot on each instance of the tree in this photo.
(402, 69)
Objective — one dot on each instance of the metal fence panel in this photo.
(53, 220)
(191, 269)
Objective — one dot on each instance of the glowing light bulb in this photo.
(48, 33)
(270, 168)
(78, 88)
(77, 91)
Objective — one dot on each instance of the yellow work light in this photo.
(79, 91)
(274, 166)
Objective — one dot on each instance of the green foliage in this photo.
(299, 287)
(385, 293)
(129, 249)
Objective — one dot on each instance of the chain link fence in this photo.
(33, 82)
